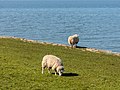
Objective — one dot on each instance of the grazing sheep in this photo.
(54, 63)
(73, 40)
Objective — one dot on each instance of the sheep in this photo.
(73, 40)
(54, 63)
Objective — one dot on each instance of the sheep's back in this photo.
(73, 39)
(51, 60)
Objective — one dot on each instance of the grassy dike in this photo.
(20, 68)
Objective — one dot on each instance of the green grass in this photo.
(20, 68)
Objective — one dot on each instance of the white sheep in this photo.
(54, 63)
(73, 40)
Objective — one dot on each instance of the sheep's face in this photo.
(60, 70)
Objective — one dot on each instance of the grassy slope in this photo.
(20, 68)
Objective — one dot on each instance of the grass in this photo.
(20, 68)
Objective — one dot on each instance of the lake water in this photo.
(97, 27)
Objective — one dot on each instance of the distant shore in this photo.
(55, 44)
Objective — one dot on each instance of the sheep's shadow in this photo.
(80, 47)
(70, 74)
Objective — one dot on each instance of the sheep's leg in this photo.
(43, 69)
(75, 45)
(49, 70)
(55, 72)
(71, 45)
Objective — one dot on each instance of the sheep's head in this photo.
(60, 70)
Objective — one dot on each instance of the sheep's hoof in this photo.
(55, 73)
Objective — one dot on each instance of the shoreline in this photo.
(66, 46)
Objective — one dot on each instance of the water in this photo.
(97, 27)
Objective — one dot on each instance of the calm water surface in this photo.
(97, 27)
